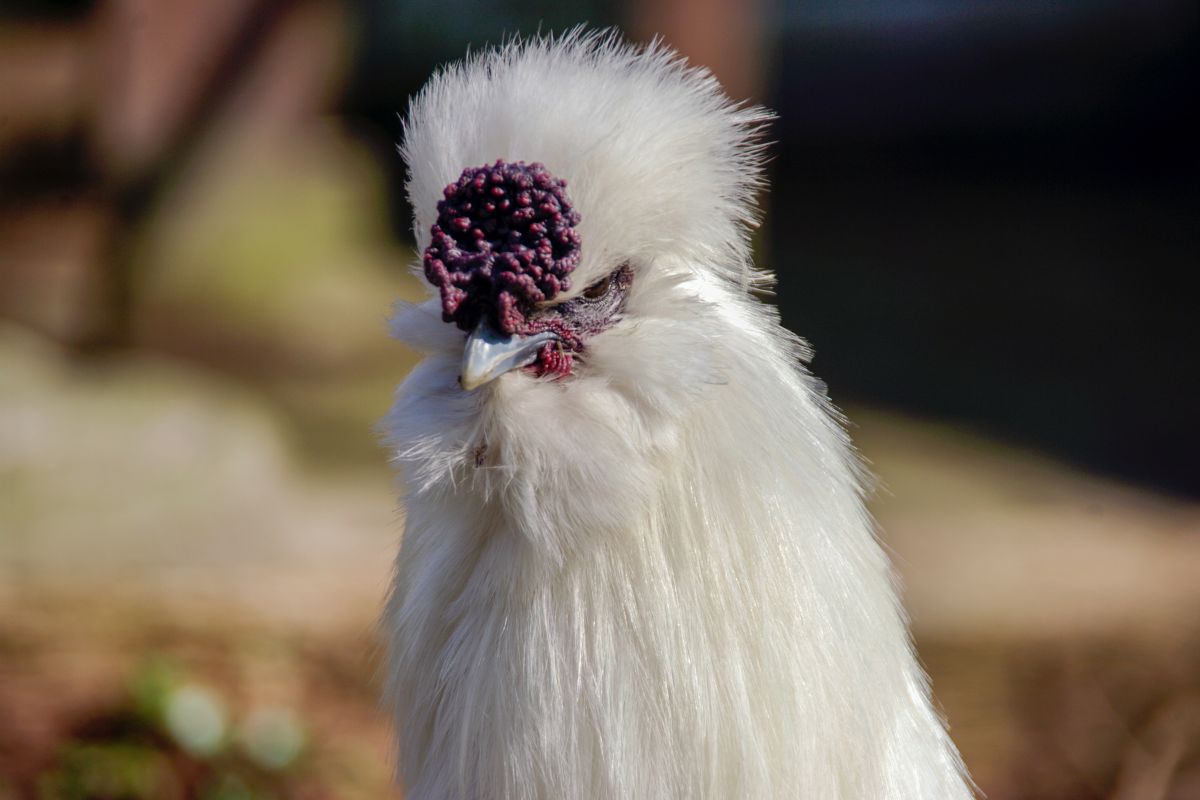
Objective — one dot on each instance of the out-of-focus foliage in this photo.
(170, 738)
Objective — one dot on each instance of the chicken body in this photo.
(649, 574)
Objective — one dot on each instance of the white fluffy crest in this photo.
(656, 159)
(655, 578)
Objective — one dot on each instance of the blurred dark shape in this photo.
(986, 212)
(46, 9)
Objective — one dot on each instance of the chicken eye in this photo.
(598, 289)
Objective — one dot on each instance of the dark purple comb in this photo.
(504, 241)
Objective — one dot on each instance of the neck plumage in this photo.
(651, 599)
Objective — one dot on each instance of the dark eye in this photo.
(598, 289)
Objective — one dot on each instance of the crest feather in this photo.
(660, 162)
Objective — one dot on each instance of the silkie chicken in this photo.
(636, 561)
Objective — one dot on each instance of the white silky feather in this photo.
(655, 578)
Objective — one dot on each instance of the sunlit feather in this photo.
(654, 578)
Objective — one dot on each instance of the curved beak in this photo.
(488, 354)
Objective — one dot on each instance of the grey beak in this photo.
(489, 355)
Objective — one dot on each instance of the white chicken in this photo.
(636, 560)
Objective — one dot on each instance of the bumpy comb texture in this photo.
(504, 240)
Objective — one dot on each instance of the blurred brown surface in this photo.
(41, 83)
(726, 37)
(195, 270)
(1056, 613)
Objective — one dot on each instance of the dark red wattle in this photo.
(503, 242)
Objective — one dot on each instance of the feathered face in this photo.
(501, 251)
(582, 209)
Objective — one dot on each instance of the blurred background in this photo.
(983, 216)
